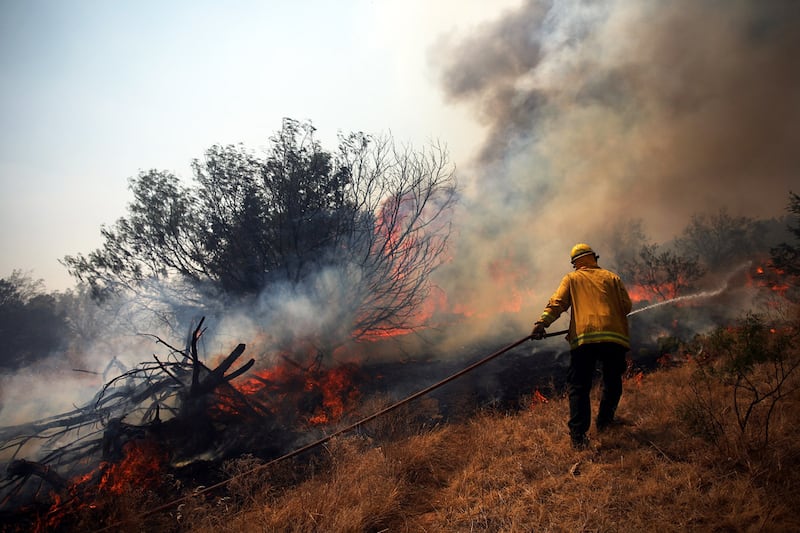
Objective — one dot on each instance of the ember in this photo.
(770, 277)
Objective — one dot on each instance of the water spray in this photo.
(703, 294)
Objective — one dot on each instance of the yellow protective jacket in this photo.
(599, 306)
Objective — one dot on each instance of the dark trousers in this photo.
(583, 361)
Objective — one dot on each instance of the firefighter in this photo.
(598, 331)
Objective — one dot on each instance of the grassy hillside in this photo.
(682, 461)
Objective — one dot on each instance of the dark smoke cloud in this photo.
(600, 112)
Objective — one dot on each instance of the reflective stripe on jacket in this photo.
(599, 306)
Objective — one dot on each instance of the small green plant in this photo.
(742, 375)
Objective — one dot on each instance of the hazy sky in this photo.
(565, 118)
(94, 91)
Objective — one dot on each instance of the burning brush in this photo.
(172, 411)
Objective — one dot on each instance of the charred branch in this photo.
(197, 401)
(21, 468)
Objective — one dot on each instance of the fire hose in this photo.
(347, 429)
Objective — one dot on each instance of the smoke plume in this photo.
(601, 112)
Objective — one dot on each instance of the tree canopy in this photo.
(371, 214)
(786, 256)
(31, 323)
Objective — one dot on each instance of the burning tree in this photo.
(650, 271)
(665, 274)
(370, 219)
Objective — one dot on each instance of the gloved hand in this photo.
(538, 331)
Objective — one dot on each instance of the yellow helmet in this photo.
(580, 250)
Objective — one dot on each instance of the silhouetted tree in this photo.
(31, 326)
(720, 239)
(666, 274)
(370, 217)
(786, 256)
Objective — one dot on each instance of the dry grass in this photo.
(517, 473)
(508, 473)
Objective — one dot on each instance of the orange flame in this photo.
(770, 277)
(290, 386)
(638, 294)
(537, 398)
(338, 394)
(141, 467)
